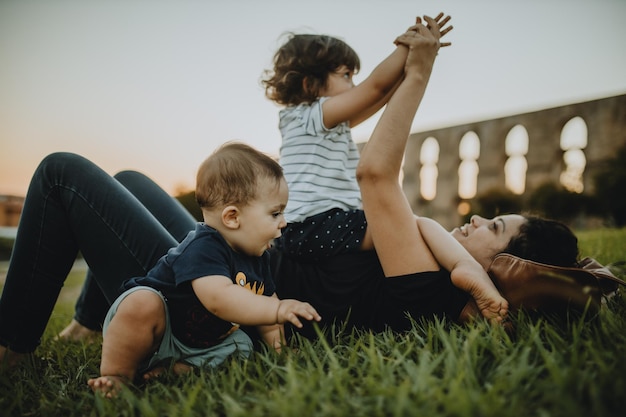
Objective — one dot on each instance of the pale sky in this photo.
(157, 85)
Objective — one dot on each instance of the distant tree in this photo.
(497, 201)
(6, 247)
(188, 200)
(610, 187)
(555, 202)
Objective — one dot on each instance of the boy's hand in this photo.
(290, 310)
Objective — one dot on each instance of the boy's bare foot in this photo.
(9, 359)
(107, 385)
(179, 368)
(76, 332)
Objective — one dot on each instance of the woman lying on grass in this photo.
(72, 205)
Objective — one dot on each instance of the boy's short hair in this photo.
(230, 175)
(306, 57)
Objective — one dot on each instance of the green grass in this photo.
(546, 368)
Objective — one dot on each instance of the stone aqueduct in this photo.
(605, 121)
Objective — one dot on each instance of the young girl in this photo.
(312, 77)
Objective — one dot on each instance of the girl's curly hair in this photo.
(302, 65)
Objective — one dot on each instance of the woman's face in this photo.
(485, 238)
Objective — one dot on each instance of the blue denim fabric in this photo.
(73, 205)
(92, 306)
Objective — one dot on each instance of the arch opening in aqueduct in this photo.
(445, 168)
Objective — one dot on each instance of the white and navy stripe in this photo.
(319, 163)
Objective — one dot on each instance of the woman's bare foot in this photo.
(107, 385)
(9, 359)
(76, 332)
(179, 368)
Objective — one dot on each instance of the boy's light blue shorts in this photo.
(172, 350)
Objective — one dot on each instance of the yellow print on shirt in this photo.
(256, 287)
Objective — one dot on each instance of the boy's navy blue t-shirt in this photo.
(204, 252)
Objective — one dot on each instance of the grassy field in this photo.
(546, 368)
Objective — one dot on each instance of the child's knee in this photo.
(143, 305)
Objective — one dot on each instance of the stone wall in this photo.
(606, 131)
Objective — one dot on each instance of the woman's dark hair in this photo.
(302, 65)
(546, 241)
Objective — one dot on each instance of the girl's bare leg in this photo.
(133, 334)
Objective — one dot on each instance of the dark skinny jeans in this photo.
(121, 225)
